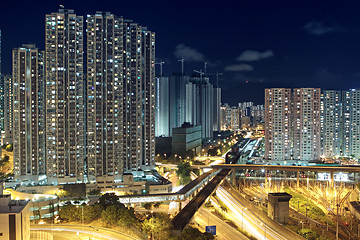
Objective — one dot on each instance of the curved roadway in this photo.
(77, 232)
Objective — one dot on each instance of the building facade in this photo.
(331, 115)
(104, 88)
(120, 97)
(77, 131)
(28, 114)
(186, 138)
(162, 116)
(278, 123)
(292, 124)
(190, 99)
(306, 120)
(7, 134)
(64, 61)
(351, 123)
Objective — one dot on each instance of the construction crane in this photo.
(161, 63)
(201, 73)
(217, 74)
(182, 60)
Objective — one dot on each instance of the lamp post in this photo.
(152, 224)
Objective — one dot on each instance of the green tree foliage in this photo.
(4, 161)
(109, 215)
(126, 217)
(157, 205)
(109, 199)
(158, 226)
(92, 212)
(118, 215)
(69, 213)
(9, 148)
(147, 206)
(308, 234)
(195, 234)
(183, 171)
(95, 192)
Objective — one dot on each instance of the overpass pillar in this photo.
(298, 179)
(332, 179)
(179, 202)
(233, 177)
(201, 171)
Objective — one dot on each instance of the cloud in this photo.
(320, 28)
(188, 53)
(239, 67)
(250, 55)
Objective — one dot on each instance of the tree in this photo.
(158, 226)
(183, 171)
(109, 215)
(126, 217)
(147, 206)
(308, 234)
(92, 212)
(195, 234)
(69, 213)
(109, 199)
(157, 205)
(9, 148)
(95, 192)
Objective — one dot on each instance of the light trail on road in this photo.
(252, 223)
(99, 234)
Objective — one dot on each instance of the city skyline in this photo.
(289, 45)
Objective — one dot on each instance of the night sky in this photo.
(256, 44)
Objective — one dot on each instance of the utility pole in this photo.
(161, 63)
(182, 60)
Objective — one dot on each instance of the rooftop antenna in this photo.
(205, 65)
(161, 63)
(182, 60)
(61, 6)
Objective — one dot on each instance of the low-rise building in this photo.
(278, 207)
(14, 218)
(186, 138)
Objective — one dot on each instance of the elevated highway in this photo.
(180, 221)
(187, 191)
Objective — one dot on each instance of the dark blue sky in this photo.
(256, 44)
